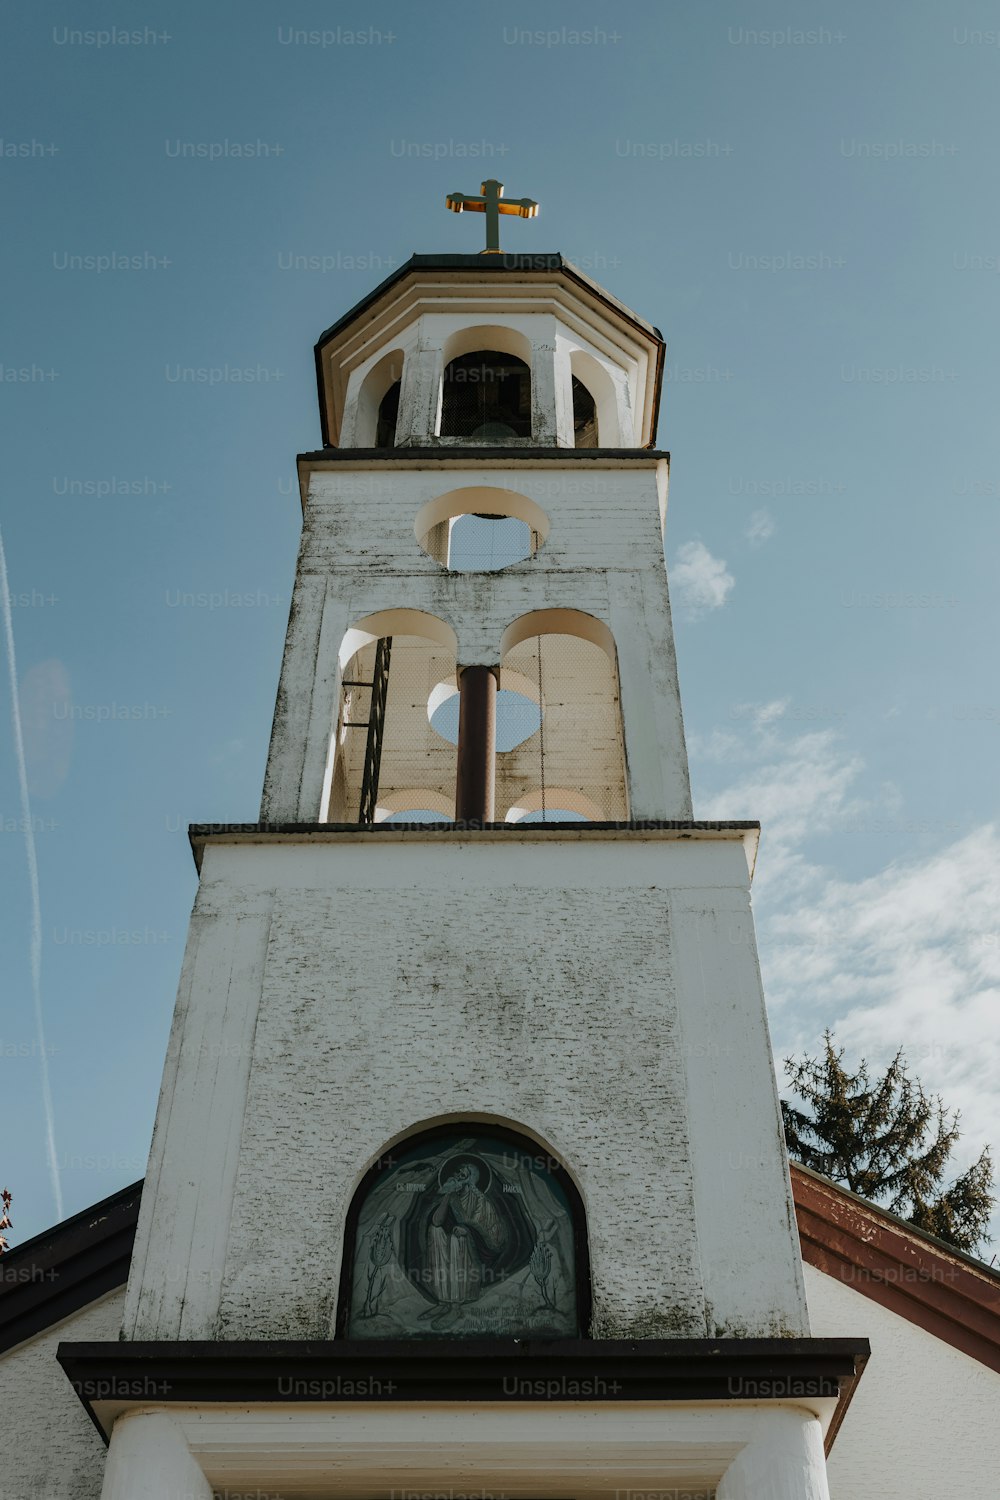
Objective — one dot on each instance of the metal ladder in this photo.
(375, 726)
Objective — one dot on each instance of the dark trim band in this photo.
(481, 453)
(201, 834)
(107, 1376)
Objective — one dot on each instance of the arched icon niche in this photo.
(465, 1231)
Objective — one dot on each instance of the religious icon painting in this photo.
(464, 1235)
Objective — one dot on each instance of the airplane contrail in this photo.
(36, 905)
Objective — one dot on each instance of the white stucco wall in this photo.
(601, 994)
(923, 1423)
(53, 1451)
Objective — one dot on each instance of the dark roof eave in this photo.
(491, 265)
(663, 1370)
(479, 452)
(67, 1267)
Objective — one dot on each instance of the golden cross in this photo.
(492, 203)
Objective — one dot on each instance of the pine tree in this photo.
(888, 1141)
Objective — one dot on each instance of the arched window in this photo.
(388, 411)
(481, 528)
(584, 416)
(596, 422)
(385, 757)
(465, 1231)
(486, 395)
(376, 405)
(575, 764)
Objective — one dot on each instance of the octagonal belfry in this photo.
(490, 519)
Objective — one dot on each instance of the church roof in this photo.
(67, 1267)
(493, 265)
(949, 1294)
(432, 272)
(942, 1290)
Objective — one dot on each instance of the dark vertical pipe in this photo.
(475, 782)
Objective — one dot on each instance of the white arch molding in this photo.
(483, 336)
(396, 622)
(434, 520)
(383, 374)
(559, 622)
(594, 375)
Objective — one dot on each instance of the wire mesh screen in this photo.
(480, 543)
(486, 395)
(560, 751)
(416, 770)
(574, 764)
(484, 544)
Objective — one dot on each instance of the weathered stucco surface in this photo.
(601, 995)
(53, 1451)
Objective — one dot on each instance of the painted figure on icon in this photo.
(464, 1237)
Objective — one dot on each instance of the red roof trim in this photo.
(943, 1292)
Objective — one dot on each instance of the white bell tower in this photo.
(524, 393)
(468, 1169)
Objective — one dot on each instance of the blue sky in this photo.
(802, 198)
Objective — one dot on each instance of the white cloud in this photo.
(909, 956)
(759, 527)
(700, 581)
(798, 786)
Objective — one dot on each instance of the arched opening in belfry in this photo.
(388, 411)
(386, 760)
(595, 405)
(378, 403)
(573, 767)
(466, 1230)
(481, 529)
(486, 396)
(584, 416)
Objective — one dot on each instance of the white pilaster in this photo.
(548, 402)
(624, 411)
(420, 393)
(182, 1239)
(783, 1461)
(149, 1460)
